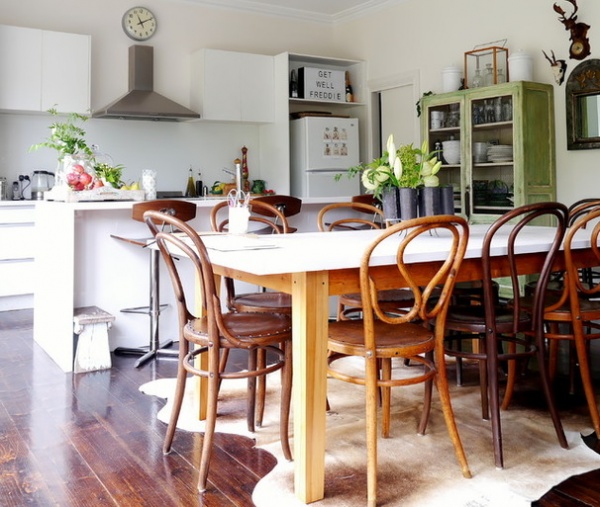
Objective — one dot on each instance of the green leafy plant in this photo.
(110, 174)
(401, 167)
(67, 137)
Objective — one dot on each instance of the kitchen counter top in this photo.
(201, 202)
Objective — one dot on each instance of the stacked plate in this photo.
(500, 153)
(451, 151)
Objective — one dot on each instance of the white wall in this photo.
(416, 35)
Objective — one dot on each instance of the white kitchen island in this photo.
(78, 263)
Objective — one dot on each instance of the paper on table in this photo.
(232, 243)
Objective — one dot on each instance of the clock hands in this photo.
(145, 21)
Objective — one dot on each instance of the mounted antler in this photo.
(580, 44)
(559, 67)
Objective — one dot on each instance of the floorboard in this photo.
(92, 439)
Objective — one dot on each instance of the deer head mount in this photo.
(580, 44)
(559, 67)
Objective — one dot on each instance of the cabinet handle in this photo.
(467, 202)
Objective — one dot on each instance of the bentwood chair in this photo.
(379, 336)
(185, 211)
(356, 215)
(573, 313)
(213, 333)
(288, 205)
(271, 220)
(507, 332)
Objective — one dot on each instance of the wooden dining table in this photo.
(312, 267)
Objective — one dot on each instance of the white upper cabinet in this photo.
(232, 86)
(42, 69)
(66, 76)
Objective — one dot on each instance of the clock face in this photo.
(139, 23)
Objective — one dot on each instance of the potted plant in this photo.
(75, 157)
(395, 177)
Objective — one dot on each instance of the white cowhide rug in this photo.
(413, 470)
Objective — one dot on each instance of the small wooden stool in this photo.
(91, 324)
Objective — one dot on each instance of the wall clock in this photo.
(139, 23)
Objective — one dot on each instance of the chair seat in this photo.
(471, 318)
(347, 337)
(251, 329)
(279, 302)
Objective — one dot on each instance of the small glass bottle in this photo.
(294, 84)
(488, 79)
(349, 93)
(501, 78)
(477, 80)
(190, 190)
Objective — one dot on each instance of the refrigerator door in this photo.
(331, 143)
(322, 147)
(323, 184)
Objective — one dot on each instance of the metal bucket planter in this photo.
(399, 204)
(436, 201)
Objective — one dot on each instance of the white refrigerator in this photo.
(320, 148)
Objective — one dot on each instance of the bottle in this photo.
(488, 79)
(477, 81)
(349, 94)
(199, 185)
(190, 191)
(501, 78)
(294, 84)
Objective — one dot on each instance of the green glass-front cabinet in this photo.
(498, 146)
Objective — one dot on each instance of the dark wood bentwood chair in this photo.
(214, 333)
(270, 220)
(379, 336)
(501, 328)
(573, 314)
(185, 211)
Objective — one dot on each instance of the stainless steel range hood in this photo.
(141, 102)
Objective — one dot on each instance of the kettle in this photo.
(40, 183)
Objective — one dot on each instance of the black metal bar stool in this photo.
(184, 211)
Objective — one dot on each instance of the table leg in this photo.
(310, 313)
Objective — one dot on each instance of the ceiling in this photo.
(326, 11)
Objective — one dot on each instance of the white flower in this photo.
(391, 148)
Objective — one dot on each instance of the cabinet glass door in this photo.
(492, 172)
(444, 137)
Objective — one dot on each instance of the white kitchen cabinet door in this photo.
(41, 69)
(20, 68)
(232, 86)
(66, 72)
(257, 88)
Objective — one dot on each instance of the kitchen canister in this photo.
(3, 189)
(451, 79)
(520, 66)
(149, 184)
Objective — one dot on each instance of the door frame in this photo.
(378, 85)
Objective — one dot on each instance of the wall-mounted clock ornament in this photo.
(580, 44)
(139, 23)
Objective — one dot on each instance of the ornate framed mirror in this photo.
(583, 106)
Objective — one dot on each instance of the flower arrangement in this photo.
(405, 166)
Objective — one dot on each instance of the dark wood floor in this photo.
(93, 439)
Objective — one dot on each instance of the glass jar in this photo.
(477, 80)
(488, 79)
